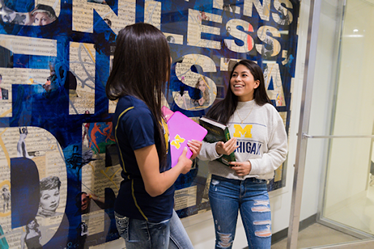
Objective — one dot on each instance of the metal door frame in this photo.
(301, 149)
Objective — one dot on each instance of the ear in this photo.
(257, 83)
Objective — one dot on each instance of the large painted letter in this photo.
(29, 65)
(83, 14)
(186, 98)
(82, 67)
(270, 47)
(263, 9)
(273, 84)
(195, 28)
(33, 181)
(284, 16)
(244, 37)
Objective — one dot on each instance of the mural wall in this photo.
(59, 172)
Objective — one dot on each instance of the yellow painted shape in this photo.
(4, 148)
(5, 113)
(177, 141)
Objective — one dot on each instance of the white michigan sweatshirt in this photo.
(261, 138)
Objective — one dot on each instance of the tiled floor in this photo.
(316, 235)
(356, 212)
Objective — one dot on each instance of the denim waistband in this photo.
(250, 179)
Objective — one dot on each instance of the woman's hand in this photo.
(226, 148)
(241, 168)
(195, 147)
(157, 183)
(183, 160)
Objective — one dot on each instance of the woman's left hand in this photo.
(195, 147)
(241, 168)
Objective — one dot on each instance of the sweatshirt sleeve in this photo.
(208, 152)
(276, 149)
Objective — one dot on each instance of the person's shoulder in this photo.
(125, 101)
(269, 107)
(132, 108)
(129, 102)
(272, 113)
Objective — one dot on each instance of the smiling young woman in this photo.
(260, 143)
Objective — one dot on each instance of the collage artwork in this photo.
(59, 168)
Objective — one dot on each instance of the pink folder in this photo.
(181, 130)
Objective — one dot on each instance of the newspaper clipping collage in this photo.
(59, 170)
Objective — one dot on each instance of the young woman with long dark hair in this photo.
(144, 205)
(260, 143)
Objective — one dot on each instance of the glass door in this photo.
(349, 190)
(340, 127)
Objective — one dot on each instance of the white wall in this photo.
(200, 228)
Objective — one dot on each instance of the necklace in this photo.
(242, 120)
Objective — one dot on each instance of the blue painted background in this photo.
(31, 106)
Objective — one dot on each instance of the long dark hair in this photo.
(36, 228)
(141, 67)
(223, 110)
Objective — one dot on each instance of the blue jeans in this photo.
(142, 234)
(178, 236)
(250, 196)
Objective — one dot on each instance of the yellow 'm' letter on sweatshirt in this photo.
(239, 131)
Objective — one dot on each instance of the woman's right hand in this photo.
(183, 160)
(156, 182)
(226, 148)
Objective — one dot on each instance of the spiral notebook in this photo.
(181, 130)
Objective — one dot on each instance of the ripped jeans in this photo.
(250, 196)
